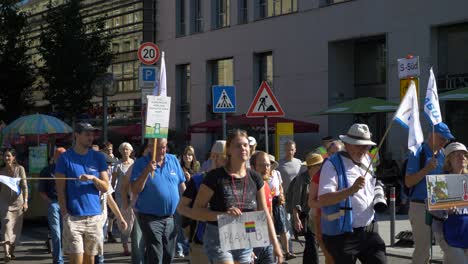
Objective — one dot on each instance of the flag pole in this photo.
(373, 155)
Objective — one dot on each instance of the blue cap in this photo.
(443, 130)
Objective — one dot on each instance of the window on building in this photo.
(243, 12)
(127, 46)
(221, 72)
(263, 69)
(331, 2)
(180, 18)
(222, 12)
(196, 17)
(269, 8)
(183, 99)
(115, 47)
(370, 62)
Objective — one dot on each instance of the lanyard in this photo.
(234, 191)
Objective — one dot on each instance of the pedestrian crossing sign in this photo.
(224, 99)
(264, 103)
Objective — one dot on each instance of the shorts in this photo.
(279, 217)
(83, 234)
(212, 247)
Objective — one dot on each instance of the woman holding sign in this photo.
(11, 211)
(232, 190)
(451, 227)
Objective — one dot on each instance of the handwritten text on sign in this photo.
(246, 231)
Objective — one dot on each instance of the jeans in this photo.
(55, 224)
(182, 243)
(138, 244)
(264, 255)
(160, 237)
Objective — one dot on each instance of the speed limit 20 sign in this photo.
(148, 53)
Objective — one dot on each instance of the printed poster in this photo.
(249, 230)
(447, 190)
(157, 116)
(37, 158)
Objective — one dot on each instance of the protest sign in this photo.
(447, 190)
(157, 116)
(246, 231)
(37, 158)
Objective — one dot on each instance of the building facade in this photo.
(131, 22)
(314, 54)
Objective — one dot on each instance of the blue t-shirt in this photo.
(419, 191)
(82, 197)
(160, 195)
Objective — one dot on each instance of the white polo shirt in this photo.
(362, 201)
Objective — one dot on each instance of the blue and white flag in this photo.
(160, 89)
(10, 182)
(431, 102)
(408, 116)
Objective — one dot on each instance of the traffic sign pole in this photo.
(224, 127)
(266, 133)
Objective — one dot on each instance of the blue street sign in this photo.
(224, 99)
(148, 76)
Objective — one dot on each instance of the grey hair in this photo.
(125, 144)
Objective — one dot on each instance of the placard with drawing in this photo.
(447, 190)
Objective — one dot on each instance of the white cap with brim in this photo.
(358, 134)
(455, 146)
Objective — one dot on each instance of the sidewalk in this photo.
(401, 224)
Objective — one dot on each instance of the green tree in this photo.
(16, 72)
(74, 53)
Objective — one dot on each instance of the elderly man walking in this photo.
(158, 184)
(428, 159)
(346, 193)
(79, 199)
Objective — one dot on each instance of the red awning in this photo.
(241, 121)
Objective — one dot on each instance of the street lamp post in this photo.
(104, 85)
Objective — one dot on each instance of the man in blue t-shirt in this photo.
(79, 197)
(158, 184)
(431, 155)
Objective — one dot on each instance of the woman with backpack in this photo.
(449, 224)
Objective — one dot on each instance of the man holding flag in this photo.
(424, 159)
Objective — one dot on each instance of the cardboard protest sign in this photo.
(246, 231)
(447, 190)
(157, 116)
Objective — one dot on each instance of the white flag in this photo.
(408, 116)
(431, 103)
(161, 89)
(10, 182)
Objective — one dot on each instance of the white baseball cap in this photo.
(252, 141)
(455, 146)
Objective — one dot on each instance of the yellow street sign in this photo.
(404, 85)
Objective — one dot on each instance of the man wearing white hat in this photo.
(346, 193)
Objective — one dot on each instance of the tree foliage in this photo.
(16, 71)
(74, 53)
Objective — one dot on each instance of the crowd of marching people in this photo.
(167, 206)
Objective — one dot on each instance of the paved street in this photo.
(32, 249)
